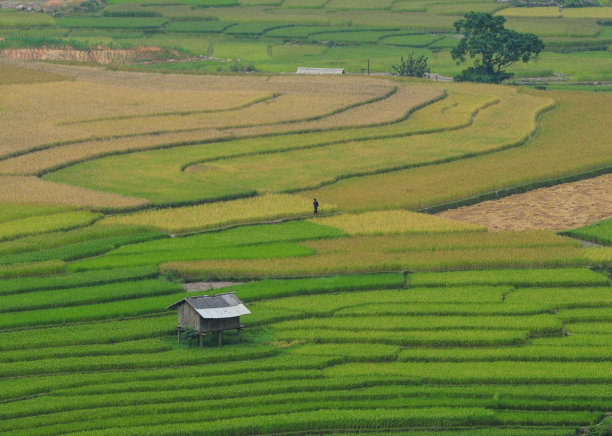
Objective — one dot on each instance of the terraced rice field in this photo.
(367, 317)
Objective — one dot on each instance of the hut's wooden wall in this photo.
(219, 324)
(189, 318)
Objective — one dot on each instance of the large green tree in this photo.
(492, 46)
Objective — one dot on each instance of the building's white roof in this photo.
(218, 306)
(308, 70)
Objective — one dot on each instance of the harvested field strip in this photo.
(560, 207)
(523, 278)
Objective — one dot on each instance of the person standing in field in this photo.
(315, 203)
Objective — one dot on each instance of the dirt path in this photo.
(207, 286)
(560, 207)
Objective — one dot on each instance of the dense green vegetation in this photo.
(600, 232)
(283, 35)
(366, 347)
(368, 317)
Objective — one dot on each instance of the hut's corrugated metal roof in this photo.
(226, 305)
(308, 70)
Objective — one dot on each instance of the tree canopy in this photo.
(493, 47)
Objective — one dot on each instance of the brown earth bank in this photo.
(560, 207)
(100, 55)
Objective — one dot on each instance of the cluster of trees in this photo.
(484, 39)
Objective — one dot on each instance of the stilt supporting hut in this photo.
(207, 314)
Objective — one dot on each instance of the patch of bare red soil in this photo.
(560, 207)
(100, 55)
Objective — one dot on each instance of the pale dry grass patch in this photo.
(285, 108)
(52, 104)
(395, 221)
(220, 214)
(15, 189)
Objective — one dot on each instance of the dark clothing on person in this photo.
(315, 203)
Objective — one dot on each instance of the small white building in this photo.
(319, 71)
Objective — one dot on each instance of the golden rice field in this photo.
(355, 143)
(131, 184)
(14, 189)
(558, 149)
(135, 104)
(395, 221)
(220, 214)
(553, 12)
(12, 74)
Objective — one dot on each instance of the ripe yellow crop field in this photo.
(362, 262)
(220, 214)
(557, 150)
(58, 103)
(12, 74)
(32, 269)
(395, 221)
(492, 129)
(587, 12)
(406, 251)
(551, 12)
(46, 223)
(453, 111)
(15, 189)
(282, 109)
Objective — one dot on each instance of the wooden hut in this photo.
(210, 314)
